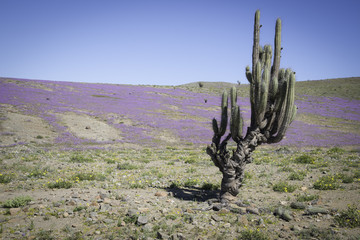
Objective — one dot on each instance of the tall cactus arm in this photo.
(288, 110)
(255, 55)
(277, 50)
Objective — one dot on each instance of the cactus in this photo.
(272, 92)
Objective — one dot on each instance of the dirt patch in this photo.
(87, 127)
(17, 127)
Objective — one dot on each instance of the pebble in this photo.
(14, 211)
(142, 220)
(161, 194)
(252, 210)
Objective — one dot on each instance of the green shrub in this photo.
(191, 183)
(60, 183)
(305, 159)
(284, 187)
(126, 166)
(349, 217)
(78, 158)
(327, 183)
(300, 175)
(17, 202)
(88, 176)
(335, 150)
(5, 178)
(307, 198)
(253, 235)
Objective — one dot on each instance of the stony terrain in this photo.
(104, 163)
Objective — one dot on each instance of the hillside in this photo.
(81, 114)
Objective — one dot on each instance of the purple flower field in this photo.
(148, 116)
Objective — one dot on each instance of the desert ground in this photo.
(101, 161)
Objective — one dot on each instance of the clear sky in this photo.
(172, 42)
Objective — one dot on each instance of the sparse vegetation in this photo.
(284, 187)
(349, 217)
(17, 202)
(327, 183)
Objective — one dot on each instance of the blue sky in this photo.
(172, 42)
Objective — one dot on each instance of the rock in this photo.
(65, 215)
(283, 214)
(304, 189)
(142, 220)
(14, 211)
(161, 194)
(108, 221)
(298, 205)
(217, 207)
(132, 212)
(252, 210)
(161, 235)
(243, 220)
(227, 225)
(107, 201)
(316, 210)
(295, 228)
(216, 218)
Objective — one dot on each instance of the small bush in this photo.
(347, 179)
(317, 233)
(284, 187)
(5, 178)
(126, 166)
(305, 159)
(77, 158)
(300, 175)
(335, 150)
(88, 176)
(253, 235)
(17, 202)
(307, 198)
(60, 184)
(349, 217)
(327, 183)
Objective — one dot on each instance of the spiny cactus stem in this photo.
(255, 55)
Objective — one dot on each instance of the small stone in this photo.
(227, 225)
(303, 188)
(216, 218)
(243, 220)
(87, 127)
(14, 211)
(217, 207)
(97, 232)
(57, 204)
(65, 215)
(161, 194)
(107, 200)
(161, 235)
(142, 220)
(252, 210)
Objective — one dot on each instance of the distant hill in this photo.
(348, 88)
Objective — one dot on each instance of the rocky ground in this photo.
(172, 193)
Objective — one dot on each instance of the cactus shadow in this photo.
(194, 194)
